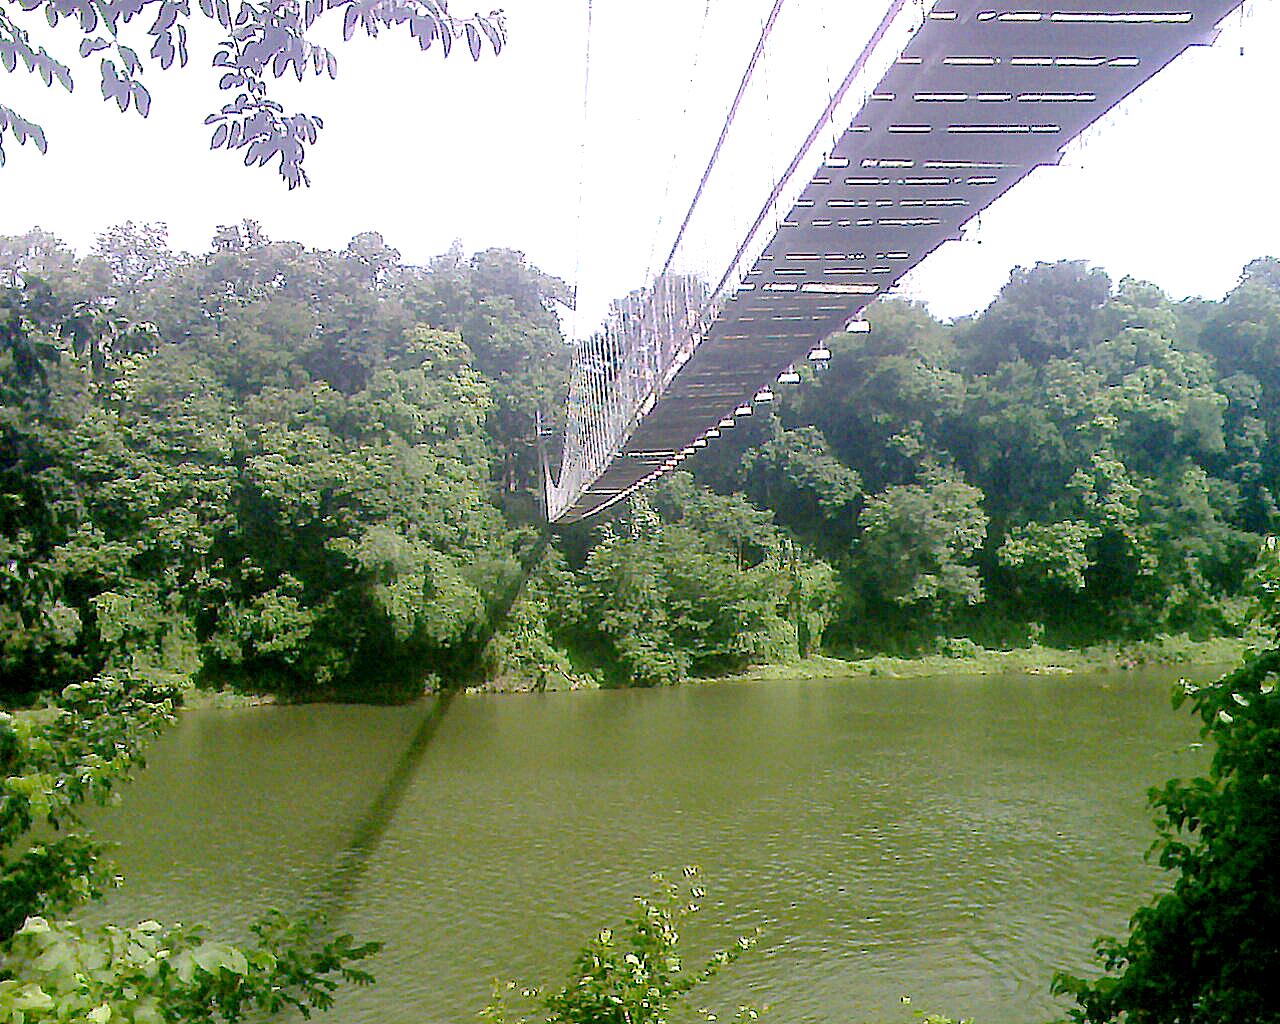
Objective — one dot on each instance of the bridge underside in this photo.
(979, 97)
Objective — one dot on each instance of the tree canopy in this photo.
(315, 472)
(259, 43)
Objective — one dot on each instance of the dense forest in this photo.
(315, 474)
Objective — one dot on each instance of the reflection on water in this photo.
(954, 840)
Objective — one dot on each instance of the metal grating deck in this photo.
(979, 97)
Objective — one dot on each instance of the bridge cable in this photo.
(582, 167)
(826, 33)
(768, 116)
(895, 8)
(684, 120)
(573, 439)
(763, 41)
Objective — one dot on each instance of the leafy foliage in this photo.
(53, 762)
(80, 749)
(706, 589)
(260, 42)
(505, 309)
(1051, 554)
(1206, 952)
(304, 471)
(149, 974)
(1043, 313)
(634, 974)
(918, 538)
(1115, 442)
(288, 489)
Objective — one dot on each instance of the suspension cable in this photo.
(895, 8)
(684, 121)
(582, 171)
(761, 43)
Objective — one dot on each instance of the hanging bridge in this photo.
(945, 107)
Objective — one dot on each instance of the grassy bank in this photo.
(961, 657)
(197, 699)
(965, 658)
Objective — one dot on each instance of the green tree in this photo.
(504, 308)
(887, 397)
(1042, 313)
(659, 601)
(918, 539)
(1050, 554)
(290, 476)
(362, 545)
(795, 473)
(1206, 951)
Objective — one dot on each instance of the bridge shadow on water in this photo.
(331, 899)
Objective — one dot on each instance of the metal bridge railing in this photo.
(783, 119)
(618, 374)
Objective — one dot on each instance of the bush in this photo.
(77, 750)
(1207, 951)
(632, 975)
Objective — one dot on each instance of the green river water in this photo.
(953, 840)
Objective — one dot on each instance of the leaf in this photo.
(259, 152)
(219, 137)
(473, 41)
(215, 956)
(110, 79)
(162, 49)
(30, 997)
(184, 966)
(495, 34)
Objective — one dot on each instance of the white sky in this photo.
(1179, 186)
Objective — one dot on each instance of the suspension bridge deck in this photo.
(980, 96)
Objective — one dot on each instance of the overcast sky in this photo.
(1177, 187)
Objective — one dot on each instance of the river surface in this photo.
(951, 840)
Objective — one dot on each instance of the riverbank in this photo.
(197, 699)
(962, 658)
(966, 658)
